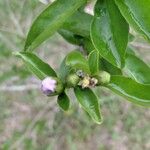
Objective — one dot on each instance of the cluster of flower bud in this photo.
(103, 78)
(88, 82)
(53, 86)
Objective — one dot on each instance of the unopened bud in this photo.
(51, 86)
(103, 77)
(93, 82)
(85, 83)
(72, 80)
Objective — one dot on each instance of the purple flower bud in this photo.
(48, 86)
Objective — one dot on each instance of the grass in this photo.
(31, 121)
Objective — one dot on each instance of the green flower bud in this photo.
(72, 80)
(103, 77)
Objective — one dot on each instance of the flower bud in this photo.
(93, 82)
(85, 83)
(103, 77)
(51, 86)
(72, 80)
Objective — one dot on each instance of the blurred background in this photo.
(31, 121)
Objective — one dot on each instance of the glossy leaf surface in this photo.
(137, 69)
(109, 32)
(108, 67)
(36, 65)
(136, 12)
(89, 102)
(130, 89)
(50, 20)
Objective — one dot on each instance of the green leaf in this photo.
(36, 65)
(136, 12)
(71, 37)
(79, 23)
(89, 102)
(50, 20)
(137, 69)
(109, 32)
(88, 45)
(77, 61)
(63, 101)
(93, 60)
(108, 67)
(130, 89)
(64, 70)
